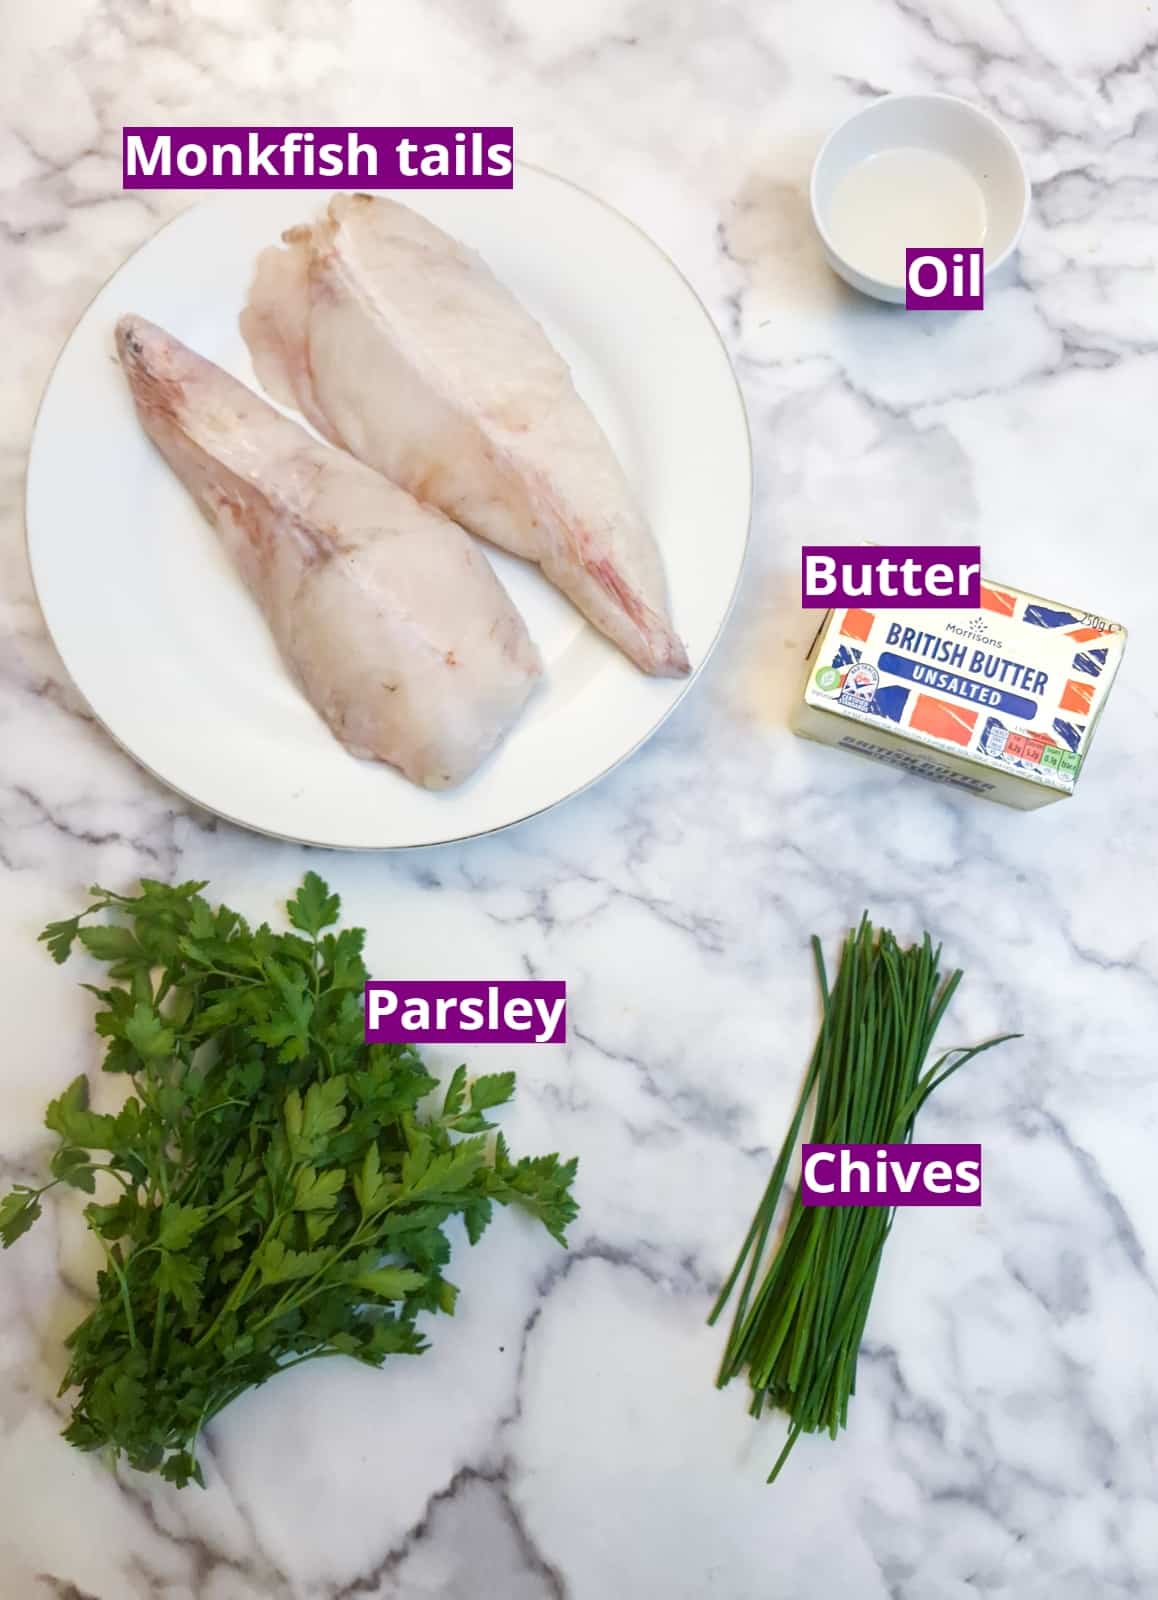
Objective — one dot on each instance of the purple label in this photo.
(945, 280)
(317, 158)
(891, 1175)
(928, 576)
(519, 1012)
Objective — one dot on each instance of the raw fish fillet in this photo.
(388, 615)
(400, 344)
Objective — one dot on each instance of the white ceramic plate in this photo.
(167, 646)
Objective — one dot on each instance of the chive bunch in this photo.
(797, 1327)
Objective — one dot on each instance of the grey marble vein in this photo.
(563, 1437)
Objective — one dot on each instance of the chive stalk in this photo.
(799, 1321)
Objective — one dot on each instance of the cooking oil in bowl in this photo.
(901, 199)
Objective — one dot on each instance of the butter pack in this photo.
(1002, 701)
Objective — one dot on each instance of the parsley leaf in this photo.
(147, 1034)
(179, 1224)
(59, 937)
(72, 1166)
(279, 1265)
(318, 1191)
(181, 1276)
(69, 1116)
(19, 1209)
(455, 1097)
(493, 1090)
(313, 907)
(390, 1283)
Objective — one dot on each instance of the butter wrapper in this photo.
(1002, 702)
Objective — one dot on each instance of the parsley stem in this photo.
(158, 1324)
(233, 977)
(299, 1295)
(125, 1299)
(240, 1289)
(218, 1106)
(310, 1355)
(108, 1166)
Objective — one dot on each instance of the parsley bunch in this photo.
(279, 1194)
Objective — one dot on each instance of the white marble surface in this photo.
(563, 1438)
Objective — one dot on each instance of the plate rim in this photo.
(479, 833)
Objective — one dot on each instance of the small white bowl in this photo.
(949, 169)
